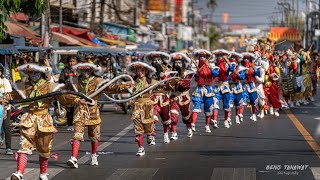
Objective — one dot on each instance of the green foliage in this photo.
(33, 7)
(214, 36)
(29, 7)
(6, 6)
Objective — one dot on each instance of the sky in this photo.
(251, 12)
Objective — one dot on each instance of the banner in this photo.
(178, 11)
(158, 5)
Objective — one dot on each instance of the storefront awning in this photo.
(20, 16)
(65, 39)
(113, 42)
(84, 41)
(18, 29)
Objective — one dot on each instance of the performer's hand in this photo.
(4, 102)
(83, 102)
(131, 102)
(129, 85)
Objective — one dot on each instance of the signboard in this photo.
(158, 5)
(225, 17)
(284, 33)
(317, 32)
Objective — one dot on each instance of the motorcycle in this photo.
(58, 113)
(124, 106)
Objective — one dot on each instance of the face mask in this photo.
(177, 64)
(35, 76)
(85, 74)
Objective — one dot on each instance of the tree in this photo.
(29, 7)
(125, 15)
(214, 36)
(212, 4)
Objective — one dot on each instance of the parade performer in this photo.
(88, 83)
(181, 63)
(299, 88)
(204, 94)
(160, 61)
(287, 70)
(306, 70)
(225, 69)
(236, 85)
(250, 89)
(36, 124)
(271, 87)
(261, 65)
(142, 111)
(314, 68)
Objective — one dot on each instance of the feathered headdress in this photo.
(132, 68)
(149, 57)
(97, 69)
(34, 67)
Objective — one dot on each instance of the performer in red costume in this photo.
(225, 69)
(178, 100)
(204, 93)
(250, 89)
(236, 85)
(271, 87)
(160, 61)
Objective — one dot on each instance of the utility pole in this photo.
(93, 14)
(307, 7)
(102, 9)
(286, 11)
(298, 22)
(293, 15)
(60, 16)
(47, 22)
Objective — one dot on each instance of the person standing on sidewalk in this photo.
(65, 75)
(5, 93)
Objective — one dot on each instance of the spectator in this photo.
(5, 90)
(65, 78)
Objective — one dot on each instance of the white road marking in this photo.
(133, 173)
(104, 145)
(33, 173)
(316, 172)
(232, 173)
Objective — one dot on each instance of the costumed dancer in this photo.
(306, 70)
(271, 87)
(143, 106)
(36, 125)
(204, 93)
(160, 61)
(250, 89)
(314, 67)
(287, 70)
(237, 76)
(225, 69)
(181, 101)
(260, 67)
(88, 83)
(299, 86)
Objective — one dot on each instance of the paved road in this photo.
(253, 150)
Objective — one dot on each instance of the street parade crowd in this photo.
(261, 79)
